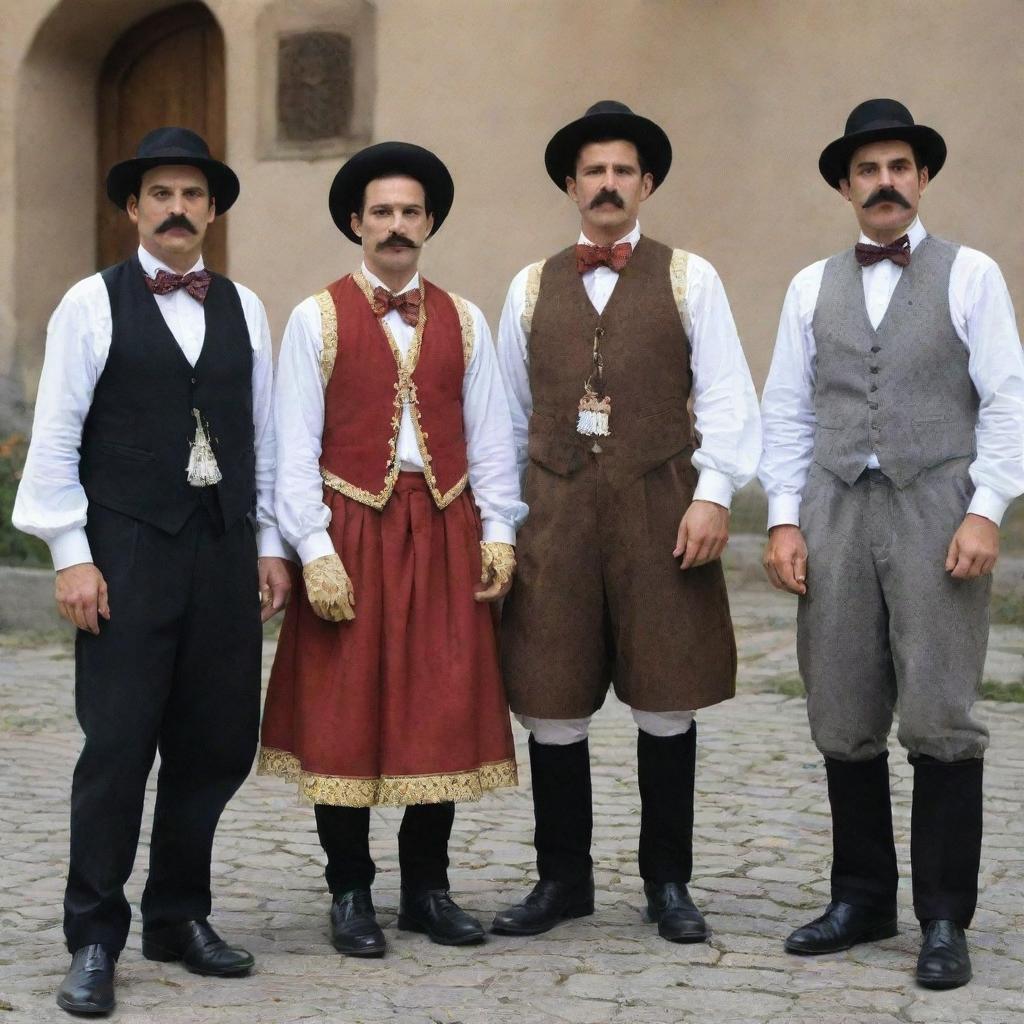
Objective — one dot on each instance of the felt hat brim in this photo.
(123, 178)
(834, 162)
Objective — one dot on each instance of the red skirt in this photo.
(404, 704)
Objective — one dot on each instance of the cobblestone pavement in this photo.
(762, 841)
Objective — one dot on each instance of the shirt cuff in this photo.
(714, 486)
(70, 548)
(989, 504)
(270, 543)
(316, 545)
(497, 532)
(784, 510)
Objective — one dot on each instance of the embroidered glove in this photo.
(499, 562)
(329, 589)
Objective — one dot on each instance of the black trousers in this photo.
(177, 668)
(422, 846)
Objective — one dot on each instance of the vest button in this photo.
(872, 405)
(876, 348)
(194, 381)
(874, 387)
(874, 369)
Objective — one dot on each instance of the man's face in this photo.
(608, 188)
(884, 188)
(393, 226)
(172, 212)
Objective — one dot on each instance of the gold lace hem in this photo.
(387, 790)
(328, 334)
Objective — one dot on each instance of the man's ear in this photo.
(131, 207)
(844, 188)
(570, 187)
(354, 222)
(922, 180)
(646, 186)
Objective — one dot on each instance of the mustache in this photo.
(606, 196)
(887, 195)
(396, 239)
(176, 220)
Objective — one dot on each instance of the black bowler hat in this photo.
(383, 161)
(876, 121)
(166, 146)
(605, 120)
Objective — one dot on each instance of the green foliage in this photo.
(16, 548)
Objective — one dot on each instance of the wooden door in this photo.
(166, 70)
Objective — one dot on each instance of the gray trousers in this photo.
(883, 622)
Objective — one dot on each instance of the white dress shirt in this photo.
(724, 400)
(299, 416)
(983, 318)
(51, 503)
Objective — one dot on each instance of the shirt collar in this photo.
(150, 264)
(376, 282)
(916, 233)
(633, 237)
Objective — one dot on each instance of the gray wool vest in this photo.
(901, 391)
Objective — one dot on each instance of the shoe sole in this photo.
(166, 956)
(885, 931)
(407, 924)
(81, 1009)
(584, 909)
(368, 953)
(943, 983)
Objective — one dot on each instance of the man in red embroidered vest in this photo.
(601, 347)
(398, 486)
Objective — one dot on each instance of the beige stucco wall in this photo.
(748, 90)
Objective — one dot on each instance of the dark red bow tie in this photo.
(407, 305)
(196, 283)
(613, 256)
(898, 252)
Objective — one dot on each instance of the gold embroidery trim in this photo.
(530, 297)
(465, 325)
(329, 334)
(387, 790)
(677, 271)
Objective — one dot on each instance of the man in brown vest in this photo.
(893, 426)
(619, 578)
(398, 486)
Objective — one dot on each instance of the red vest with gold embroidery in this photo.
(366, 383)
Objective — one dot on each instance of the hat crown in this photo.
(172, 141)
(607, 107)
(878, 113)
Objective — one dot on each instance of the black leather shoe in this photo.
(548, 903)
(354, 928)
(841, 926)
(198, 947)
(678, 920)
(434, 913)
(944, 961)
(88, 987)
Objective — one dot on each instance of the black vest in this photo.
(135, 442)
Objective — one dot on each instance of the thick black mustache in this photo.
(176, 220)
(887, 195)
(605, 196)
(397, 240)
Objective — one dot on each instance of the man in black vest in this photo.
(150, 476)
(893, 423)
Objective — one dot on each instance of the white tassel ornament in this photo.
(202, 463)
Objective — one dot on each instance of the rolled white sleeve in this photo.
(302, 516)
(493, 474)
(724, 400)
(51, 503)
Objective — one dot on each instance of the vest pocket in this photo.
(125, 451)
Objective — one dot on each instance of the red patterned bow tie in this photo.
(407, 305)
(898, 252)
(196, 283)
(613, 256)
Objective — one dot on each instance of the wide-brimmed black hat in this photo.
(875, 121)
(382, 161)
(165, 146)
(605, 120)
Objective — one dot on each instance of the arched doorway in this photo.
(167, 69)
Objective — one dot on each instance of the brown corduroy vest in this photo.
(646, 367)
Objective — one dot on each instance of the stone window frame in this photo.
(355, 19)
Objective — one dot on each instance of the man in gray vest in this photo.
(601, 347)
(151, 477)
(893, 417)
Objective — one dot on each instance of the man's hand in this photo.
(785, 559)
(974, 548)
(703, 534)
(329, 589)
(81, 593)
(498, 563)
(275, 586)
